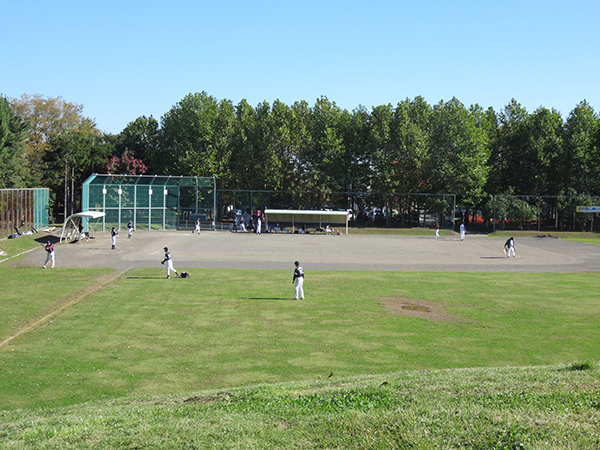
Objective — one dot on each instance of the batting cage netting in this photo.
(151, 202)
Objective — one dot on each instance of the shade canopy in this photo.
(299, 216)
(75, 223)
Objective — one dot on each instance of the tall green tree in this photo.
(73, 155)
(383, 154)
(46, 117)
(140, 140)
(13, 135)
(355, 159)
(401, 137)
(320, 156)
(578, 166)
(252, 162)
(195, 136)
(508, 157)
(459, 153)
(283, 144)
(544, 147)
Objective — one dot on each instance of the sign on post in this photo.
(587, 209)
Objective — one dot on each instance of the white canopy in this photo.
(311, 216)
(74, 224)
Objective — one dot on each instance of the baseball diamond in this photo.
(321, 252)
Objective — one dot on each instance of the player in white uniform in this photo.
(129, 229)
(169, 262)
(298, 281)
(510, 247)
(49, 254)
(462, 232)
(113, 235)
(197, 226)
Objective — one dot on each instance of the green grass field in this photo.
(227, 359)
(144, 335)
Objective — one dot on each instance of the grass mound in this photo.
(502, 408)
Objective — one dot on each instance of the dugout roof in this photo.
(298, 216)
(75, 222)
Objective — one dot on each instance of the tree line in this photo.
(410, 147)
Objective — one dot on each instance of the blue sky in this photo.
(124, 59)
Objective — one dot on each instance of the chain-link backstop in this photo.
(367, 208)
(151, 202)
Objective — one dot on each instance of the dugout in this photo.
(299, 217)
(152, 202)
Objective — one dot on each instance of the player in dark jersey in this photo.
(130, 229)
(113, 235)
(49, 254)
(169, 262)
(298, 281)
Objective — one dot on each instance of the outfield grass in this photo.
(29, 294)
(144, 335)
(16, 246)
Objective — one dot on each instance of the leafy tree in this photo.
(300, 140)
(72, 156)
(13, 134)
(355, 159)
(459, 153)
(411, 135)
(578, 165)
(283, 143)
(384, 159)
(194, 136)
(252, 163)
(46, 117)
(544, 147)
(126, 164)
(508, 157)
(510, 208)
(401, 138)
(319, 174)
(139, 139)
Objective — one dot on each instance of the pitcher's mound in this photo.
(421, 308)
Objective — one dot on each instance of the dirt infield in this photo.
(319, 252)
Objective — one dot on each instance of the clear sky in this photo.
(125, 59)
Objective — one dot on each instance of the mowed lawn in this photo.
(145, 335)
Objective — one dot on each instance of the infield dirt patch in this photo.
(421, 308)
(226, 250)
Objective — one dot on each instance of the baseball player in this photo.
(129, 229)
(258, 226)
(49, 254)
(169, 262)
(509, 247)
(298, 281)
(113, 235)
(437, 230)
(463, 231)
(197, 226)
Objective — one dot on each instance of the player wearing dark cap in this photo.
(298, 281)
(49, 254)
(169, 262)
